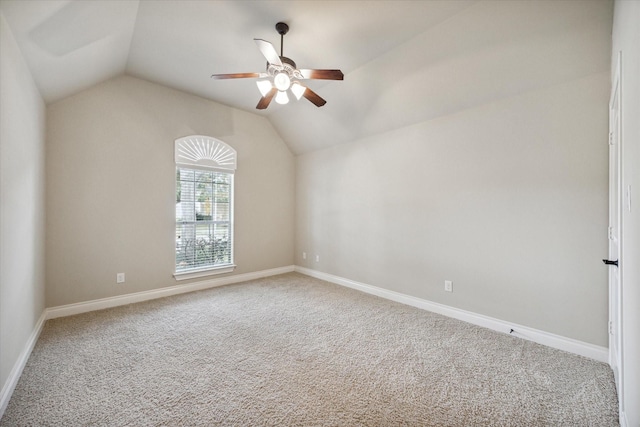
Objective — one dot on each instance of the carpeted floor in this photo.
(291, 350)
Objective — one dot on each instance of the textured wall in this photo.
(110, 188)
(22, 129)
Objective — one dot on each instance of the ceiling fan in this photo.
(282, 75)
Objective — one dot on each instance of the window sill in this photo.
(193, 274)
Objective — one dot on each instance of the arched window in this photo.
(204, 206)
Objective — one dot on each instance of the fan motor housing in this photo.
(288, 66)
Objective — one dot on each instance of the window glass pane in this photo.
(203, 219)
(185, 209)
(203, 176)
(221, 212)
(222, 238)
(204, 194)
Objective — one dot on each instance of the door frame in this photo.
(616, 358)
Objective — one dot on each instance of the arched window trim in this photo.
(200, 151)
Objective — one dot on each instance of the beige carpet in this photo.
(295, 351)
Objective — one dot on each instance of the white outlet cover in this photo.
(448, 285)
(120, 278)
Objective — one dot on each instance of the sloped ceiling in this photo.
(404, 61)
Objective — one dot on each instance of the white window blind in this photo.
(204, 204)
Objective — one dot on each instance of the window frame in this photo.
(198, 152)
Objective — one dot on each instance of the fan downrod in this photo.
(282, 29)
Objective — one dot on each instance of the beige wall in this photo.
(110, 188)
(626, 38)
(507, 200)
(22, 129)
(493, 173)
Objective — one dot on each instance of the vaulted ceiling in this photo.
(404, 61)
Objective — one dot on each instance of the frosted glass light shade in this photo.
(282, 98)
(298, 90)
(282, 81)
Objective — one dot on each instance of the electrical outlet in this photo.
(448, 285)
(317, 258)
(304, 255)
(120, 278)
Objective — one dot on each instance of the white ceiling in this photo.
(404, 61)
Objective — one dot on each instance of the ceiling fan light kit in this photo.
(283, 75)
(298, 90)
(282, 81)
(281, 97)
(264, 86)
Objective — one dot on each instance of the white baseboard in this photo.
(598, 353)
(623, 419)
(16, 371)
(99, 304)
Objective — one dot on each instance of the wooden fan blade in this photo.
(269, 52)
(266, 100)
(322, 74)
(314, 97)
(239, 76)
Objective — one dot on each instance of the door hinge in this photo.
(610, 328)
(610, 138)
(610, 232)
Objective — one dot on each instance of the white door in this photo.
(615, 209)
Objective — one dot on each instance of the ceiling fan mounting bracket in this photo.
(282, 28)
